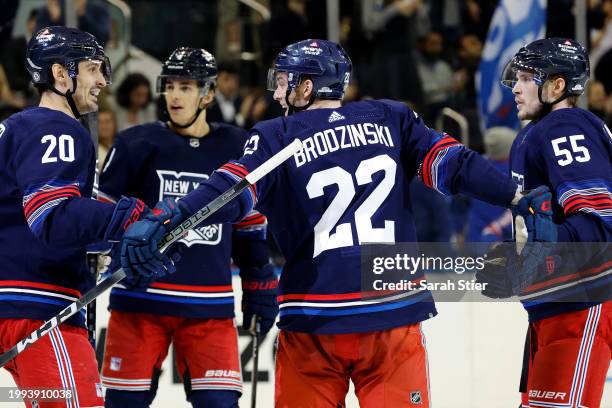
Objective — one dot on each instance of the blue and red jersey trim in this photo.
(237, 171)
(345, 304)
(254, 225)
(26, 291)
(186, 294)
(589, 196)
(39, 201)
(433, 170)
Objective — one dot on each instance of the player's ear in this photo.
(307, 88)
(560, 85)
(210, 95)
(60, 74)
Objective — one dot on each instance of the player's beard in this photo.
(537, 112)
(85, 103)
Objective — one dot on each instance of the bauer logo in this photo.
(415, 398)
(175, 185)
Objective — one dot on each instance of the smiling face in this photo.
(90, 82)
(525, 92)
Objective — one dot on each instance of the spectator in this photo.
(91, 17)
(476, 16)
(486, 222)
(597, 98)
(107, 129)
(436, 75)
(465, 97)
(227, 98)
(393, 27)
(602, 39)
(445, 16)
(12, 58)
(9, 103)
(134, 98)
(285, 27)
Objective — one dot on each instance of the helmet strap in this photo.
(195, 117)
(294, 109)
(68, 95)
(191, 122)
(559, 99)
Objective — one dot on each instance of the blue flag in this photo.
(515, 23)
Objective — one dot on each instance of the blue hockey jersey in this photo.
(47, 164)
(152, 162)
(348, 187)
(570, 151)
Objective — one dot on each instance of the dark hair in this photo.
(33, 14)
(231, 67)
(131, 82)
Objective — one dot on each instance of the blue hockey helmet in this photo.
(324, 62)
(189, 63)
(547, 58)
(65, 46)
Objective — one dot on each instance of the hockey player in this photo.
(347, 187)
(48, 217)
(193, 308)
(568, 297)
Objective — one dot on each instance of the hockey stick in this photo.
(91, 120)
(169, 239)
(255, 331)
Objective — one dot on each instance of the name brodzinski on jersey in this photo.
(342, 137)
(178, 184)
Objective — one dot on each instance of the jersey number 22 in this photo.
(323, 238)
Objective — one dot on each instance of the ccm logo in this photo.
(545, 206)
(547, 394)
(272, 284)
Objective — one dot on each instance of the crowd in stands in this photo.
(423, 52)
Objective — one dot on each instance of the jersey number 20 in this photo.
(323, 238)
(62, 147)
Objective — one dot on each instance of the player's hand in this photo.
(139, 252)
(259, 299)
(128, 210)
(536, 209)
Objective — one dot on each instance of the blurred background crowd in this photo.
(424, 52)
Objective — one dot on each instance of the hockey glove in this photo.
(537, 258)
(508, 273)
(128, 210)
(536, 209)
(495, 274)
(259, 300)
(139, 252)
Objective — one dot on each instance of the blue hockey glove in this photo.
(128, 210)
(110, 262)
(508, 273)
(538, 257)
(536, 209)
(139, 252)
(259, 300)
